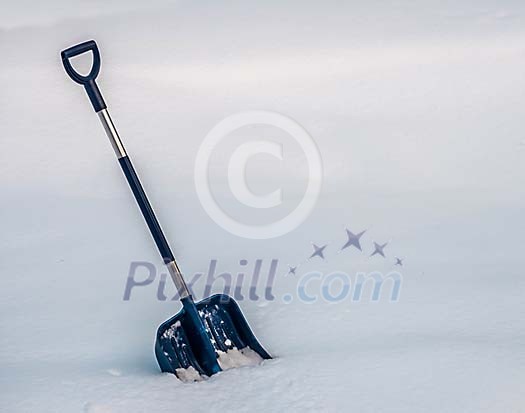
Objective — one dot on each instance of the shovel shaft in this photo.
(93, 92)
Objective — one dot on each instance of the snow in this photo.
(188, 375)
(238, 358)
(233, 358)
(170, 331)
(417, 110)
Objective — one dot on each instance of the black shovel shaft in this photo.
(146, 209)
(127, 167)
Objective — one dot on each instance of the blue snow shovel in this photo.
(191, 343)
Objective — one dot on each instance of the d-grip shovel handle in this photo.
(87, 81)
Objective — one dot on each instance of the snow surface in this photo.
(418, 112)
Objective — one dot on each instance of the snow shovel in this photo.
(205, 337)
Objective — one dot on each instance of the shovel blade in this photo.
(226, 328)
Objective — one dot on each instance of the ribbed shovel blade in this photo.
(231, 337)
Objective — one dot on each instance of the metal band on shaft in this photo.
(176, 276)
(112, 133)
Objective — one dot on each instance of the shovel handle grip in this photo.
(87, 81)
